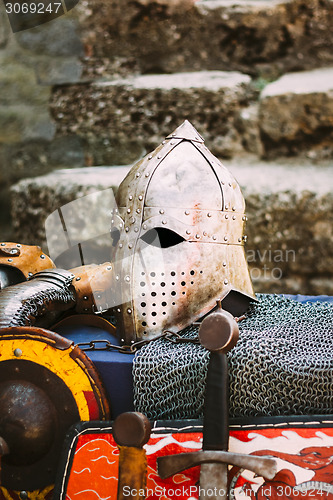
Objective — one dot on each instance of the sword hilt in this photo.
(131, 431)
(218, 333)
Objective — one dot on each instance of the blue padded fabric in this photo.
(115, 369)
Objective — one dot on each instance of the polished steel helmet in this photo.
(178, 239)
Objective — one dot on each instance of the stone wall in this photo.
(103, 84)
(105, 40)
(31, 62)
(263, 38)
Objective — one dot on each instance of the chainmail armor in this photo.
(281, 365)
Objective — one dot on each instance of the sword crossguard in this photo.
(173, 464)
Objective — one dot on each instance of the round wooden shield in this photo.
(46, 385)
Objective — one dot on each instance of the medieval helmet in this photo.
(178, 239)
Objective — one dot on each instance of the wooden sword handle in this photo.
(131, 431)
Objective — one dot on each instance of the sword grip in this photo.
(132, 475)
(216, 406)
(131, 431)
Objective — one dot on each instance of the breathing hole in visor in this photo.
(162, 237)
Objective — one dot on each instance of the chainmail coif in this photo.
(281, 365)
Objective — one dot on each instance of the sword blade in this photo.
(213, 482)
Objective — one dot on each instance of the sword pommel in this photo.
(219, 331)
(131, 429)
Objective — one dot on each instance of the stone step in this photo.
(296, 114)
(290, 210)
(34, 199)
(260, 37)
(290, 226)
(109, 39)
(264, 38)
(118, 120)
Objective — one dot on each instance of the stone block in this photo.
(249, 130)
(296, 114)
(33, 157)
(58, 70)
(11, 124)
(34, 199)
(290, 226)
(19, 123)
(38, 157)
(322, 286)
(59, 38)
(290, 207)
(133, 115)
(18, 85)
(259, 37)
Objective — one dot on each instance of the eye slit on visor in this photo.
(162, 237)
